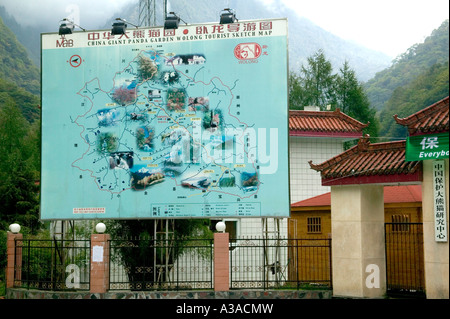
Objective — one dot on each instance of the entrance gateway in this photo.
(357, 177)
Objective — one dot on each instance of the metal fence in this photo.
(274, 263)
(405, 259)
(175, 264)
(52, 264)
(161, 264)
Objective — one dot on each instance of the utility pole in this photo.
(147, 13)
(165, 9)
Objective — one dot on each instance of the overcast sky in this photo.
(389, 26)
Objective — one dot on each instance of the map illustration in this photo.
(165, 130)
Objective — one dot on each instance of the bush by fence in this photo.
(52, 264)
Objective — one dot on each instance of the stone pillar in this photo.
(99, 274)
(358, 242)
(221, 262)
(14, 258)
(436, 254)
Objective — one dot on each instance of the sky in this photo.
(389, 26)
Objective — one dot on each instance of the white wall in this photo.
(306, 182)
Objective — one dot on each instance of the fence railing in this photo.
(405, 272)
(52, 264)
(261, 263)
(162, 264)
(175, 264)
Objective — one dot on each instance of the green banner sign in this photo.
(425, 147)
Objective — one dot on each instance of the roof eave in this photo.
(415, 177)
(353, 135)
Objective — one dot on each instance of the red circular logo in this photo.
(247, 51)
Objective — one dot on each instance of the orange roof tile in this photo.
(323, 123)
(432, 119)
(367, 163)
(392, 194)
(320, 200)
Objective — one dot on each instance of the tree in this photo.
(315, 82)
(32, 148)
(295, 91)
(317, 85)
(19, 201)
(352, 100)
(139, 249)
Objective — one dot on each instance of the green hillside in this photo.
(19, 135)
(417, 60)
(427, 88)
(15, 65)
(417, 79)
(19, 77)
(27, 102)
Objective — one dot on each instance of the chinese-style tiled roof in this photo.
(367, 163)
(324, 123)
(432, 119)
(392, 194)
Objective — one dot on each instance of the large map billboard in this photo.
(158, 123)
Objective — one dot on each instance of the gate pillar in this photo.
(14, 259)
(221, 262)
(436, 253)
(99, 280)
(358, 258)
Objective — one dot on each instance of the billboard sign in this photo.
(157, 123)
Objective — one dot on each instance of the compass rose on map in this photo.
(75, 61)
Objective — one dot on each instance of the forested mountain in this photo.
(27, 102)
(28, 36)
(428, 88)
(19, 77)
(19, 134)
(15, 65)
(305, 38)
(418, 59)
(417, 79)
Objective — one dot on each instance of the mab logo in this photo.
(64, 43)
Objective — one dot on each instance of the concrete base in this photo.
(17, 293)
